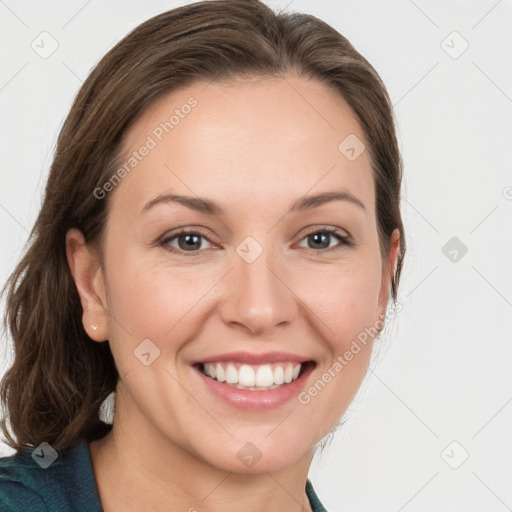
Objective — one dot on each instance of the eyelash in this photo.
(345, 241)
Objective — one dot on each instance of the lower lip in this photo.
(244, 399)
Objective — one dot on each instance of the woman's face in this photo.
(266, 282)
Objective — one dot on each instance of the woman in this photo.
(220, 232)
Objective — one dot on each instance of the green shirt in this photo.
(67, 484)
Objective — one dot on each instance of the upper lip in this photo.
(254, 358)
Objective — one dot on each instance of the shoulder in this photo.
(20, 483)
(15, 496)
(315, 503)
(44, 479)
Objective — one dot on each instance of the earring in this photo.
(94, 327)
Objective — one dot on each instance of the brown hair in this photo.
(60, 377)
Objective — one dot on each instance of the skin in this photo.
(255, 147)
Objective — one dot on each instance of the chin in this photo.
(256, 455)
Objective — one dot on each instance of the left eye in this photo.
(322, 238)
(187, 241)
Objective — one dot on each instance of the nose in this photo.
(257, 298)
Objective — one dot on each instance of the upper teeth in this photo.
(261, 376)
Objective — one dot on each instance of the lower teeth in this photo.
(255, 388)
(250, 388)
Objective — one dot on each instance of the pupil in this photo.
(317, 237)
(188, 244)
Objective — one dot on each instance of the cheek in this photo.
(350, 308)
(345, 304)
(345, 300)
(148, 300)
(157, 303)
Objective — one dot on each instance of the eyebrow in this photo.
(209, 207)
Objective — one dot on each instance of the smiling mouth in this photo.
(262, 377)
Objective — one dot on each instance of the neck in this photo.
(138, 468)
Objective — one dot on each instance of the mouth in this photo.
(251, 381)
(255, 378)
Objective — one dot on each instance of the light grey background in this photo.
(443, 373)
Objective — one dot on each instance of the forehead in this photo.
(261, 140)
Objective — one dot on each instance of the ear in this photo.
(87, 273)
(388, 271)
